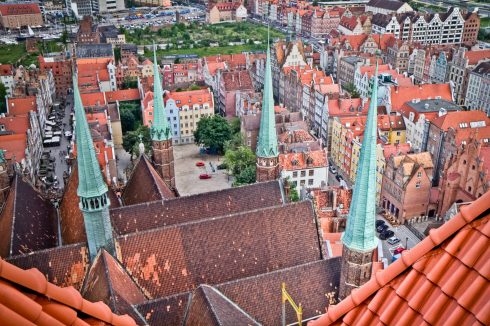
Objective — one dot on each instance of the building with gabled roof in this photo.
(17, 15)
(387, 6)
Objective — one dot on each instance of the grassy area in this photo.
(197, 38)
(484, 22)
(17, 54)
(420, 5)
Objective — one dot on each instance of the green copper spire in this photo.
(360, 232)
(160, 130)
(267, 141)
(92, 190)
(90, 181)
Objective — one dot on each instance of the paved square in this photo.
(187, 173)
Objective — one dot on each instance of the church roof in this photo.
(178, 210)
(209, 306)
(145, 177)
(175, 259)
(443, 279)
(27, 221)
(160, 130)
(108, 281)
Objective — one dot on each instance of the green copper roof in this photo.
(360, 233)
(160, 130)
(267, 141)
(90, 181)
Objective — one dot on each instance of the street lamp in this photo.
(406, 243)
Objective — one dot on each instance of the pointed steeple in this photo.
(360, 234)
(160, 129)
(91, 183)
(92, 190)
(267, 140)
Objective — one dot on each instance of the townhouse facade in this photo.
(478, 90)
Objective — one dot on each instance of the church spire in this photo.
(267, 141)
(359, 238)
(267, 152)
(92, 190)
(160, 129)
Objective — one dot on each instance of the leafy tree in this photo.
(127, 120)
(131, 140)
(352, 90)
(293, 192)
(3, 94)
(213, 132)
(246, 176)
(238, 160)
(129, 82)
(235, 125)
(315, 3)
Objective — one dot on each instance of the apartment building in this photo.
(478, 90)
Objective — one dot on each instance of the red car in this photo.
(398, 250)
(200, 164)
(204, 176)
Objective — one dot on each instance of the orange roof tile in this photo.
(400, 95)
(21, 105)
(453, 119)
(346, 107)
(300, 161)
(131, 94)
(390, 122)
(27, 298)
(475, 56)
(93, 99)
(191, 97)
(370, 69)
(213, 67)
(442, 280)
(6, 70)
(334, 244)
(395, 149)
(17, 124)
(14, 145)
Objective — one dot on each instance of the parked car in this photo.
(333, 169)
(204, 176)
(379, 223)
(393, 240)
(386, 234)
(200, 163)
(339, 177)
(398, 250)
(381, 228)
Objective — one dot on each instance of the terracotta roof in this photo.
(19, 9)
(295, 136)
(195, 207)
(220, 249)
(21, 105)
(14, 146)
(409, 162)
(121, 95)
(190, 98)
(393, 5)
(27, 298)
(345, 107)
(237, 80)
(387, 122)
(475, 56)
(370, 69)
(303, 160)
(30, 225)
(145, 177)
(464, 135)
(208, 306)
(213, 67)
(311, 284)
(93, 99)
(455, 118)
(108, 281)
(334, 244)
(355, 41)
(395, 149)
(443, 279)
(400, 95)
(349, 23)
(17, 124)
(6, 70)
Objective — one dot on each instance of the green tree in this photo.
(3, 94)
(127, 120)
(213, 132)
(131, 140)
(238, 160)
(235, 125)
(293, 192)
(246, 176)
(352, 90)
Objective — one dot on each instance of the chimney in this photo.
(334, 199)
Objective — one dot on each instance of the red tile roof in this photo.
(370, 69)
(301, 161)
(27, 298)
(17, 124)
(346, 107)
(388, 122)
(237, 80)
(442, 280)
(93, 99)
(21, 105)
(213, 67)
(131, 94)
(14, 145)
(400, 95)
(475, 56)
(198, 97)
(19, 9)
(395, 149)
(5, 70)
(455, 118)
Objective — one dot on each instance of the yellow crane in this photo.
(298, 309)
